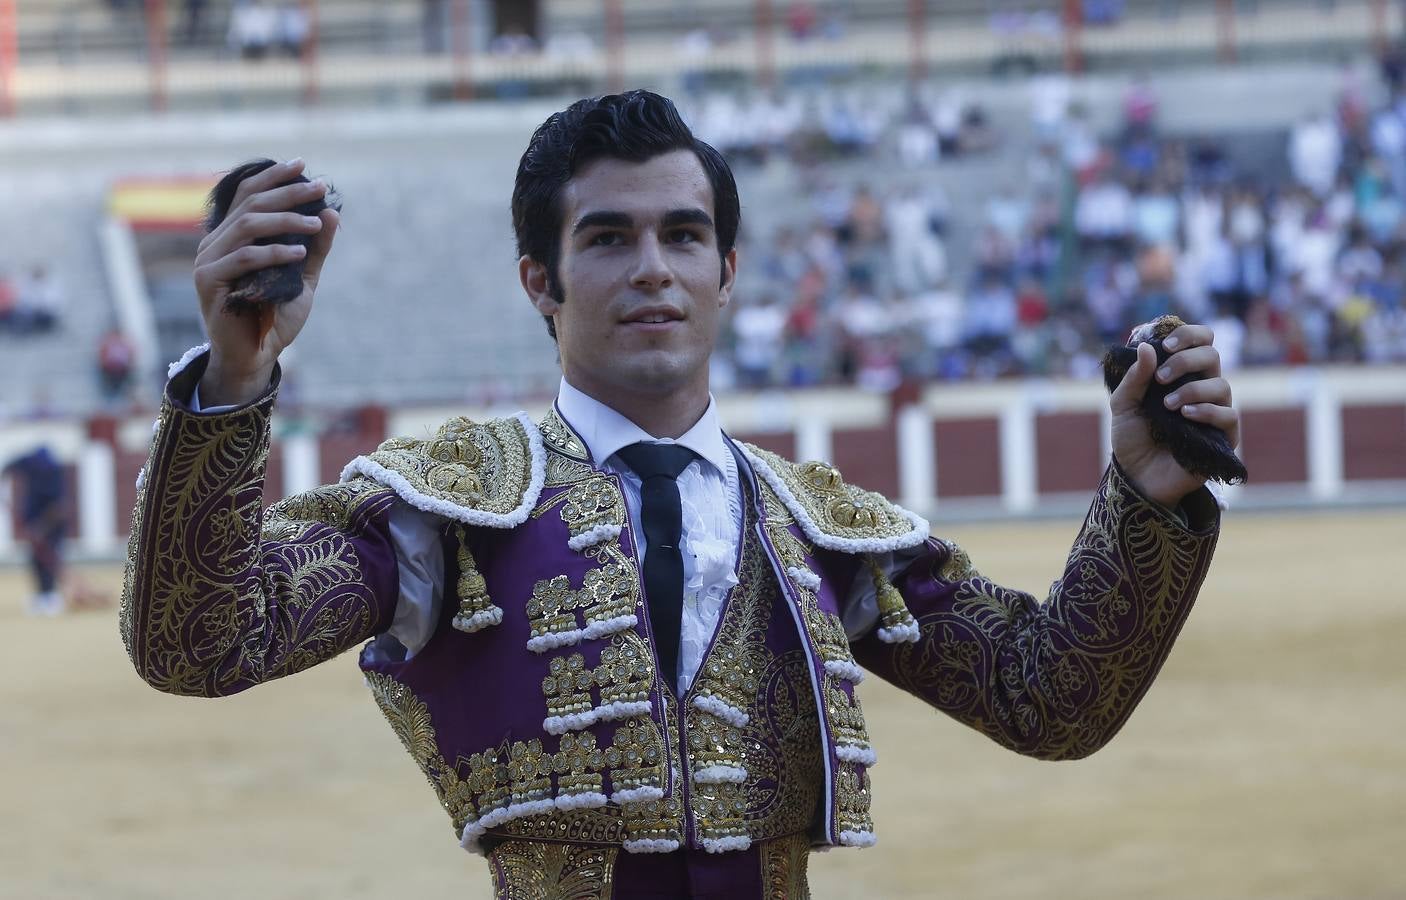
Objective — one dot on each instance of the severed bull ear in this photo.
(257, 291)
(1199, 448)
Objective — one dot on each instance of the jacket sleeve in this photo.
(1054, 680)
(220, 594)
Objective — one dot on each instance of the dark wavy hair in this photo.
(635, 126)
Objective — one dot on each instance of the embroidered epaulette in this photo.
(478, 473)
(833, 514)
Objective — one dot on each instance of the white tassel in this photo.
(720, 775)
(907, 633)
(585, 800)
(597, 630)
(843, 668)
(651, 845)
(479, 620)
(858, 838)
(607, 712)
(857, 753)
(141, 477)
(723, 845)
(554, 639)
(637, 795)
(804, 577)
(596, 534)
(725, 711)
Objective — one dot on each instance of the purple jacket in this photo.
(535, 711)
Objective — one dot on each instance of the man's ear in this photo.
(729, 277)
(537, 285)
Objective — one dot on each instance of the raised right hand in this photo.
(240, 369)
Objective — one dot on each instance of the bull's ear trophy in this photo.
(259, 293)
(1199, 448)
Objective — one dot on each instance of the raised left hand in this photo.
(1151, 468)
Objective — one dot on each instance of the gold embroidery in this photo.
(825, 628)
(483, 466)
(846, 716)
(567, 685)
(779, 747)
(220, 595)
(536, 870)
(607, 592)
(1103, 633)
(836, 508)
(852, 798)
(409, 718)
(784, 862)
(559, 436)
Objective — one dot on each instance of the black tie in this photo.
(658, 466)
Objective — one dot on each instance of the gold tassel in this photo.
(896, 623)
(476, 610)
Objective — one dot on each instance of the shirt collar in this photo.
(605, 431)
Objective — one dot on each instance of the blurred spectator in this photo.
(43, 522)
(193, 25)
(253, 28)
(802, 20)
(9, 301)
(919, 259)
(293, 27)
(1315, 151)
(116, 356)
(758, 329)
(434, 25)
(38, 303)
(513, 41)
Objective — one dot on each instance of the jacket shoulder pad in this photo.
(833, 514)
(479, 473)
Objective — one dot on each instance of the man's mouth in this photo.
(654, 316)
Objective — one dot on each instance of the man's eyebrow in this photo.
(602, 219)
(694, 216)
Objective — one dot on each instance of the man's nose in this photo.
(652, 270)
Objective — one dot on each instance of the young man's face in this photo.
(641, 280)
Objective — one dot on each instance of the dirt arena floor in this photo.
(1269, 760)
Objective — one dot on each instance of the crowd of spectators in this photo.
(1296, 256)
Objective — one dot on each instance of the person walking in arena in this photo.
(44, 523)
(625, 648)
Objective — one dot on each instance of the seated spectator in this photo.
(758, 329)
(253, 28)
(116, 356)
(9, 300)
(293, 28)
(39, 304)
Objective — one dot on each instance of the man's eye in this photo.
(606, 239)
(682, 237)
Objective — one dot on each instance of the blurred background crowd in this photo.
(1292, 248)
